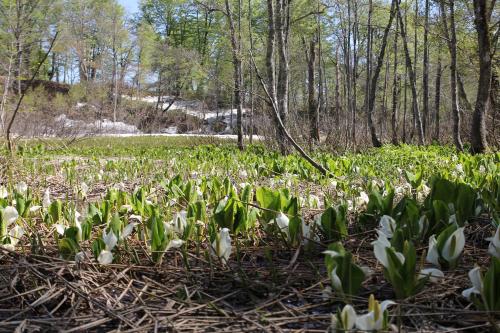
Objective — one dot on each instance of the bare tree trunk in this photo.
(322, 93)
(437, 100)
(373, 85)
(452, 47)
(348, 72)
(462, 95)
(337, 91)
(375, 140)
(354, 73)
(115, 85)
(158, 100)
(425, 68)
(482, 14)
(311, 90)
(405, 109)
(494, 89)
(395, 89)
(250, 36)
(383, 123)
(238, 72)
(282, 92)
(413, 80)
(415, 57)
(5, 94)
(273, 22)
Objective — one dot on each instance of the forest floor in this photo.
(269, 284)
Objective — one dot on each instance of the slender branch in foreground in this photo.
(274, 106)
(23, 93)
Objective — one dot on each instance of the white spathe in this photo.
(347, 316)
(363, 199)
(105, 257)
(308, 232)
(221, 246)
(374, 319)
(387, 225)
(174, 244)
(34, 209)
(135, 217)
(454, 245)
(494, 247)
(60, 228)
(380, 250)
(282, 221)
(434, 274)
(109, 239)
(3, 192)
(127, 231)
(84, 189)
(433, 254)
(15, 235)
(336, 282)
(46, 199)
(477, 283)
(331, 253)
(9, 215)
(21, 188)
(179, 222)
(423, 222)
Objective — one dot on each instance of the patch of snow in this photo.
(192, 107)
(189, 135)
(96, 127)
(170, 130)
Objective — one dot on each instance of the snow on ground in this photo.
(185, 135)
(192, 108)
(96, 127)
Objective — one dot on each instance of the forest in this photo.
(349, 74)
(249, 166)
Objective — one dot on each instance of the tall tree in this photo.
(413, 80)
(373, 84)
(451, 37)
(425, 69)
(235, 37)
(482, 14)
(437, 101)
(313, 103)
(395, 89)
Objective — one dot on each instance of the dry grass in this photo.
(265, 288)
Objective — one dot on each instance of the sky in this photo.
(130, 5)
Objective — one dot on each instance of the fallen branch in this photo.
(272, 102)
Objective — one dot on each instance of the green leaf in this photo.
(295, 228)
(116, 225)
(465, 203)
(491, 286)
(86, 230)
(97, 247)
(268, 199)
(444, 190)
(68, 248)
(55, 211)
(197, 211)
(333, 223)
